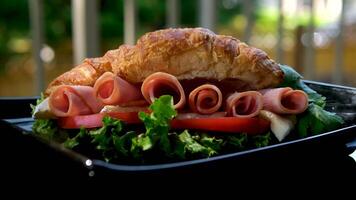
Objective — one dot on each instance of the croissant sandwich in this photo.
(206, 74)
(187, 54)
(172, 80)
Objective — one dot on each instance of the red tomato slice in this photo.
(95, 120)
(128, 117)
(220, 124)
(224, 124)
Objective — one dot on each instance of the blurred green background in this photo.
(17, 70)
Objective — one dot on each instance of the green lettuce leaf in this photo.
(211, 142)
(238, 141)
(291, 77)
(122, 143)
(46, 128)
(103, 136)
(261, 140)
(186, 144)
(140, 144)
(157, 125)
(316, 121)
(74, 141)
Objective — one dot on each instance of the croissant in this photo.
(186, 53)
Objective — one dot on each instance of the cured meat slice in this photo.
(160, 83)
(67, 101)
(205, 99)
(244, 104)
(285, 100)
(113, 90)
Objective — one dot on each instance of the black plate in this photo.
(302, 155)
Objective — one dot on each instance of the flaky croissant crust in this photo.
(186, 53)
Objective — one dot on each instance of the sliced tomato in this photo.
(95, 120)
(128, 117)
(219, 124)
(224, 124)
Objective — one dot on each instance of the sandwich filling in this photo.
(113, 96)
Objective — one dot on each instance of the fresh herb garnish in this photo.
(46, 128)
(74, 141)
(261, 140)
(315, 120)
(293, 79)
(157, 125)
(238, 141)
(187, 145)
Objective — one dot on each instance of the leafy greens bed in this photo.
(154, 142)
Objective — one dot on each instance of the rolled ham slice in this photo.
(205, 99)
(285, 100)
(67, 101)
(244, 104)
(160, 83)
(113, 90)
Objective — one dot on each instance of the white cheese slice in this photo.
(42, 111)
(280, 126)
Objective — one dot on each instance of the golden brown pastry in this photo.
(185, 53)
(84, 74)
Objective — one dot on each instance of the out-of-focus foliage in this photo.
(13, 24)
(17, 69)
(15, 32)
